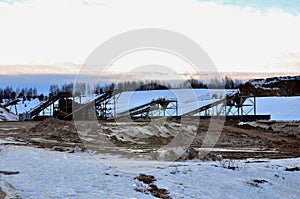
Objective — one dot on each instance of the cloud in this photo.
(290, 6)
(11, 1)
(237, 38)
(93, 2)
(65, 69)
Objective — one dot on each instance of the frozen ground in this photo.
(50, 174)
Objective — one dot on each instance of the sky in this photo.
(41, 37)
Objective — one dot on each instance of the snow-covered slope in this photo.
(269, 81)
(26, 106)
(6, 115)
(188, 99)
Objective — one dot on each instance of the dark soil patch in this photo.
(159, 193)
(152, 188)
(119, 142)
(257, 182)
(293, 169)
(147, 179)
(2, 194)
(9, 172)
(260, 181)
(156, 140)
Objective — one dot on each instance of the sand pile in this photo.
(51, 133)
(56, 129)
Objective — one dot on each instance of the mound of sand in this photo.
(55, 129)
(53, 133)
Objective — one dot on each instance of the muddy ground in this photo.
(264, 139)
(2, 194)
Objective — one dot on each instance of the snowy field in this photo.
(280, 108)
(49, 174)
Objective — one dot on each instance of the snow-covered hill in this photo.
(269, 81)
(275, 86)
(188, 99)
(26, 106)
(6, 115)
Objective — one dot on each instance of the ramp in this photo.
(46, 104)
(224, 100)
(95, 102)
(145, 109)
(14, 102)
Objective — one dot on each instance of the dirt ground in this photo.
(264, 139)
(2, 194)
(270, 139)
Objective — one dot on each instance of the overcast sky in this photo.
(56, 36)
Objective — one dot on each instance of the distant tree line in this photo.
(81, 88)
(143, 85)
(84, 89)
(9, 93)
(224, 83)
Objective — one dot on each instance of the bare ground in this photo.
(273, 139)
(2, 194)
(267, 139)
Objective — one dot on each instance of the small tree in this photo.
(54, 90)
(13, 95)
(41, 97)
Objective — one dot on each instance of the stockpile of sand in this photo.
(53, 132)
(56, 129)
